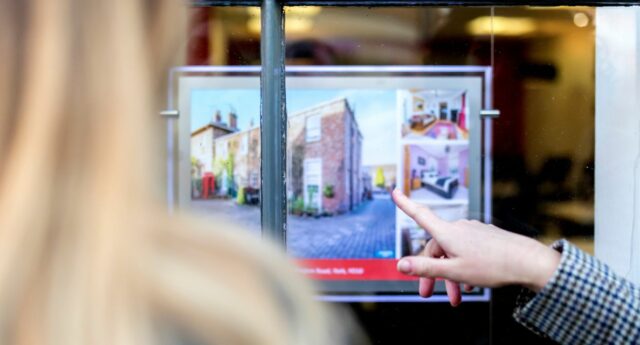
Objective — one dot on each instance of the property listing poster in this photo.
(347, 149)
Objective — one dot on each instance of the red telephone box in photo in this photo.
(208, 185)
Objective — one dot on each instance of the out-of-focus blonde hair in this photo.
(86, 254)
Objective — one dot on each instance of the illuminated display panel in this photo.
(354, 134)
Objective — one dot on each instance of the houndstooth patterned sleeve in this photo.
(585, 302)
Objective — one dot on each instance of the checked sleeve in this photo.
(585, 302)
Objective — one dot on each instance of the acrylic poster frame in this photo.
(183, 79)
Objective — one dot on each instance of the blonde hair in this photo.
(87, 255)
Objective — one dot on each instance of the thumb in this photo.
(427, 267)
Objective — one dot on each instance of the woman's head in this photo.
(86, 255)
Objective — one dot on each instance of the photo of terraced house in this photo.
(325, 159)
(338, 199)
(203, 156)
(224, 158)
(238, 163)
(202, 147)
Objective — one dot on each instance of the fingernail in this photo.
(404, 266)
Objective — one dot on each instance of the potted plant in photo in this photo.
(297, 207)
(328, 192)
(312, 211)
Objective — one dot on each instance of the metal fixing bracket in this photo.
(170, 113)
(491, 113)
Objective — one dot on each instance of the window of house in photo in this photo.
(221, 150)
(244, 145)
(254, 180)
(313, 128)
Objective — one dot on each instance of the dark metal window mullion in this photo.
(273, 123)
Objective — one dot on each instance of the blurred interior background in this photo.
(544, 82)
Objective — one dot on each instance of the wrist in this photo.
(542, 262)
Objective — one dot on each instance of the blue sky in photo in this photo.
(375, 112)
(205, 103)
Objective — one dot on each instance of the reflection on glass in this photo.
(544, 152)
(224, 36)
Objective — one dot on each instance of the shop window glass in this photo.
(542, 62)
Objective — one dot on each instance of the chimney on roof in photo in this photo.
(217, 117)
(233, 120)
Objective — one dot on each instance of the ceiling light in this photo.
(308, 11)
(501, 26)
(298, 19)
(253, 11)
(581, 20)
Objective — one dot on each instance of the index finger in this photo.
(422, 215)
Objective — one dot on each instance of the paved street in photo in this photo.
(366, 232)
(244, 215)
